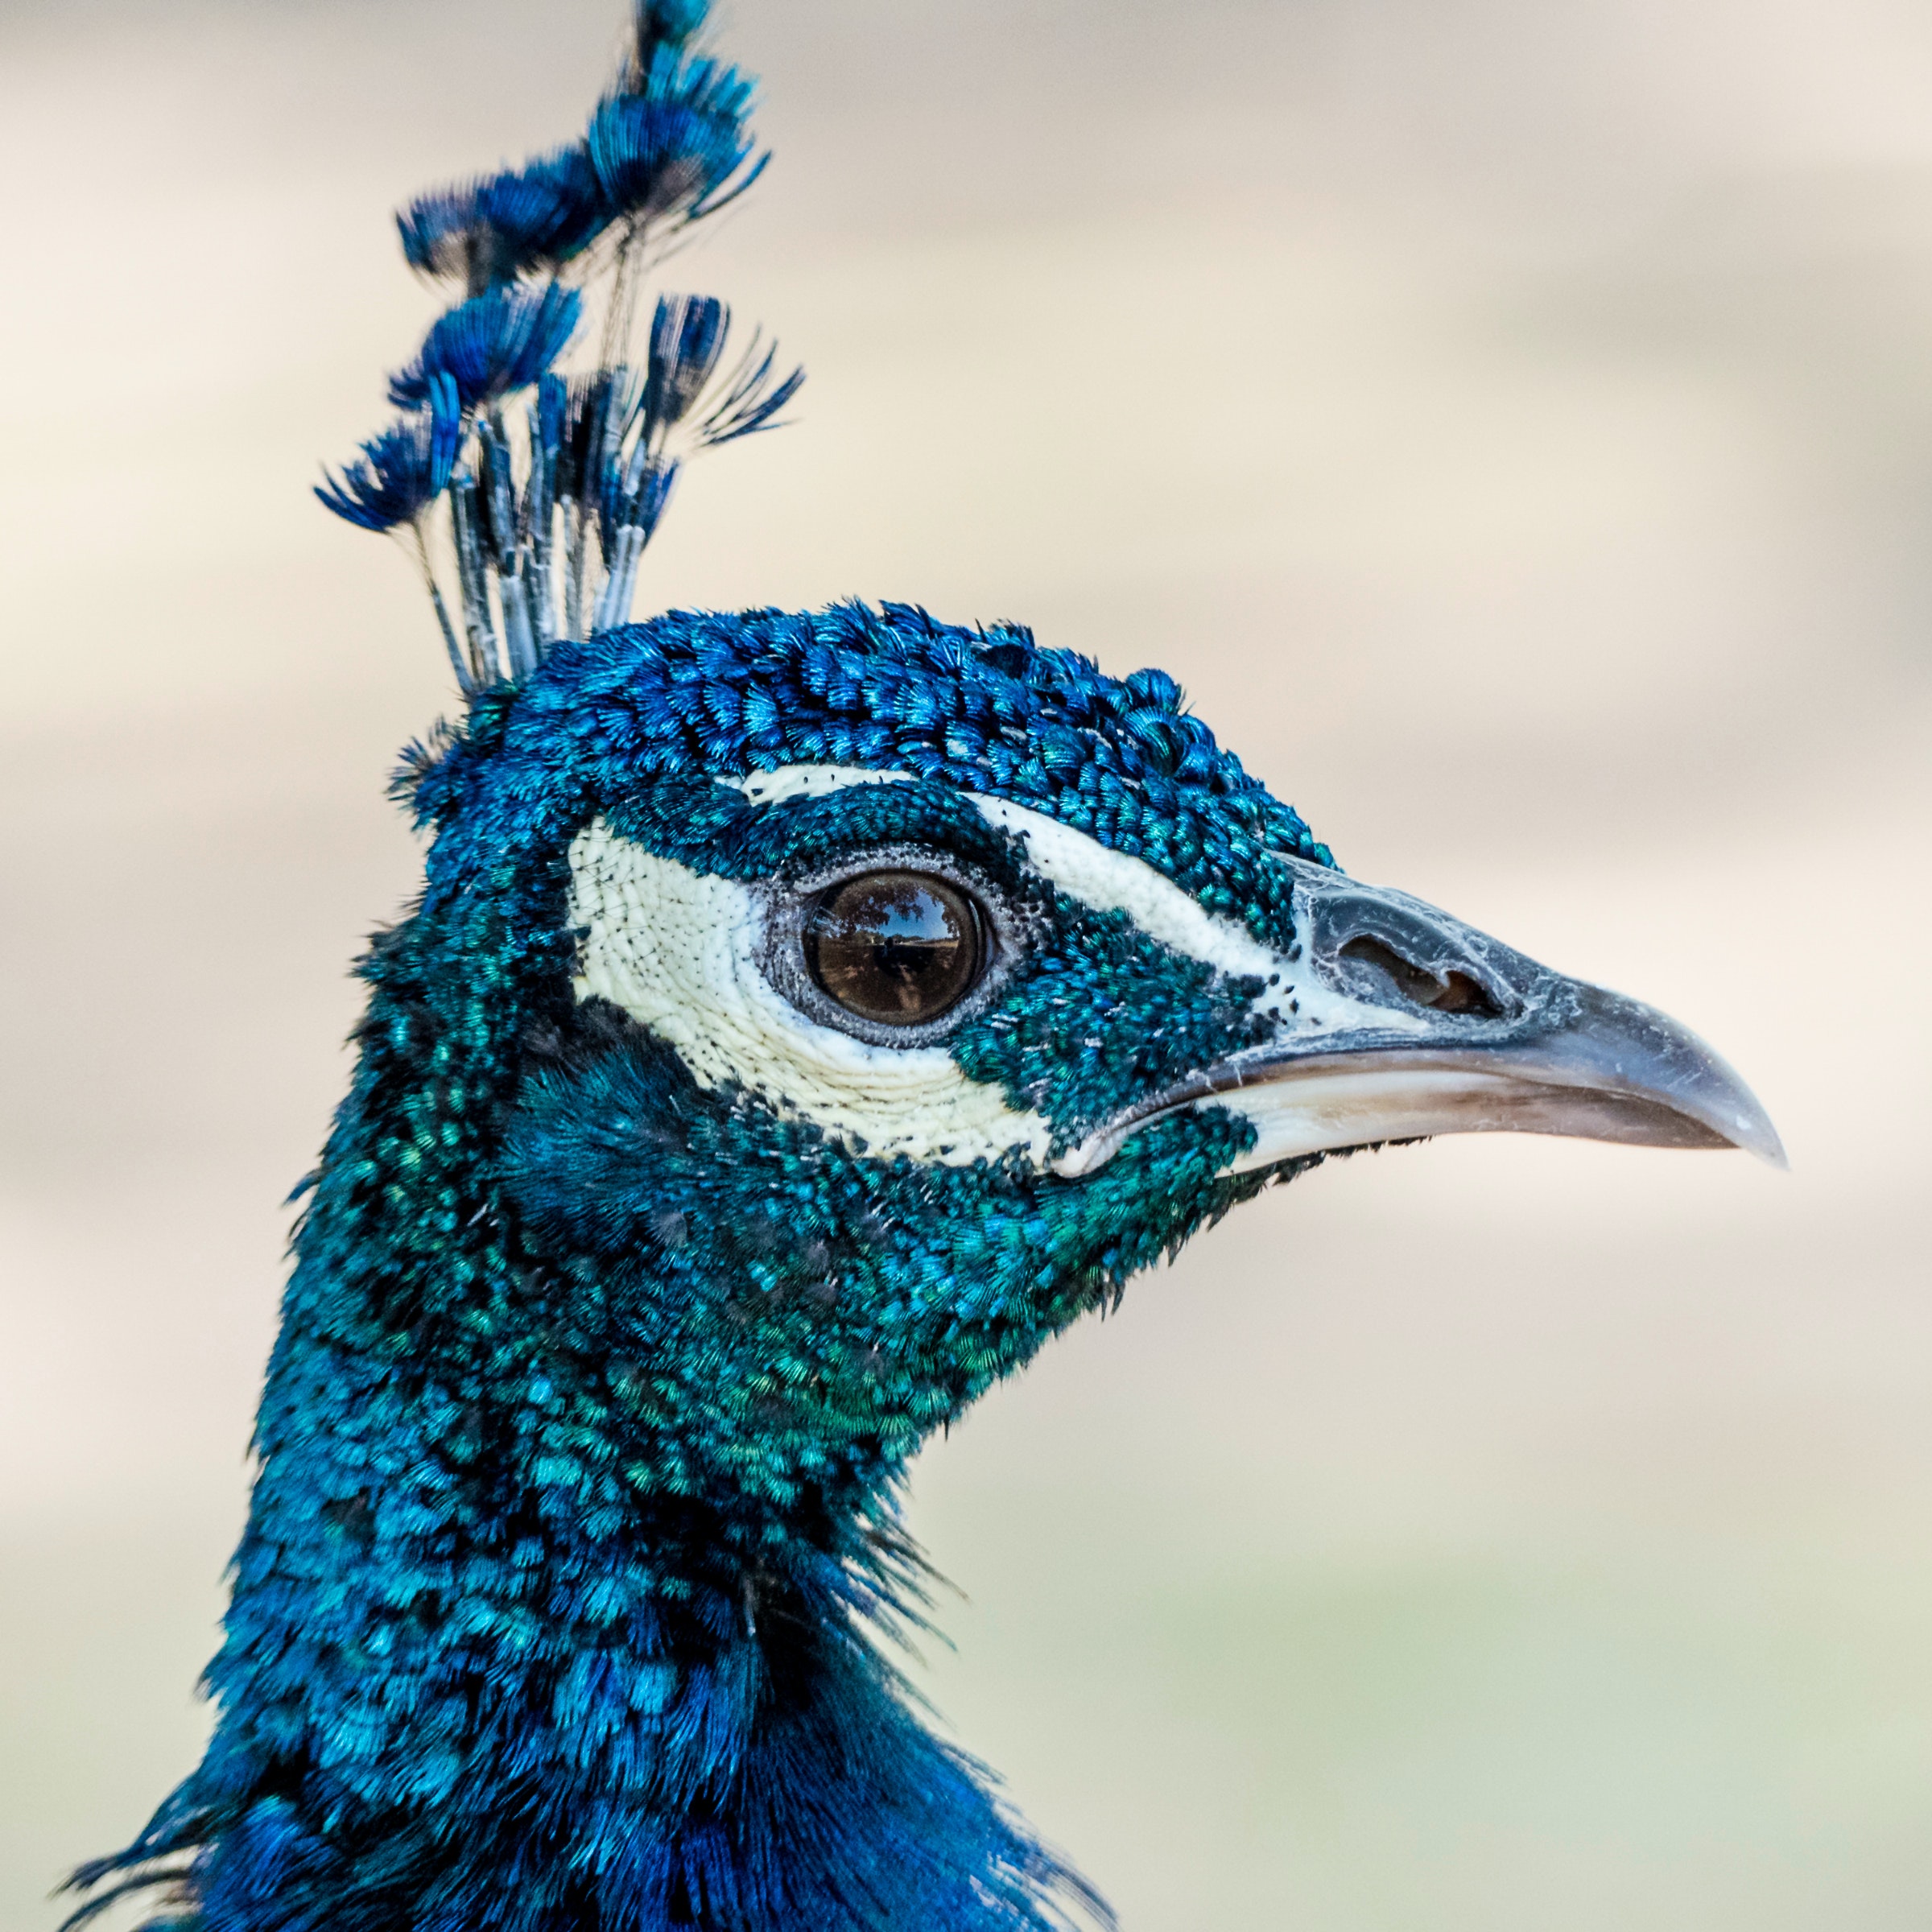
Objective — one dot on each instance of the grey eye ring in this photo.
(897, 946)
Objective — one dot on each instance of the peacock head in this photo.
(864, 997)
(809, 1014)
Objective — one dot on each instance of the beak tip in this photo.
(1749, 1127)
(1760, 1137)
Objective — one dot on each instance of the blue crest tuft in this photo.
(671, 22)
(491, 345)
(687, 337)
(397, 476)
(672, 150)
(537, 218)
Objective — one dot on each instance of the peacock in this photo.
(805, 1016)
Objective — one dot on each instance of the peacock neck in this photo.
(467, 1651)
(491, 1661)
(507, 1612)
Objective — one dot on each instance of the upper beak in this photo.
(1393, 1021)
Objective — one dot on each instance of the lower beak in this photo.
(1396, 1022)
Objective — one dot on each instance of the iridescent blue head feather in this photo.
(805, 1016)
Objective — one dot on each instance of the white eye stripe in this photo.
(1115, 881)
(1293, 997)
(1078, 865)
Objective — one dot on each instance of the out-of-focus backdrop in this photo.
(1513, 424)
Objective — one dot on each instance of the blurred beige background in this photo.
(1514, 424)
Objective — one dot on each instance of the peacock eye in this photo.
(897, 948)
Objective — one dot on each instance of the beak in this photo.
(1391, 1022)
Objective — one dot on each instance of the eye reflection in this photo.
(897, 948)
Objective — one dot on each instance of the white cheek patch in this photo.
(678, 951)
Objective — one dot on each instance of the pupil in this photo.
(899, 948)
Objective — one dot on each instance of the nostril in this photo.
(1454, 993)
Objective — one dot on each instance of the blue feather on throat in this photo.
(805, 1016)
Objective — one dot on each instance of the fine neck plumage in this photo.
(543, 1618)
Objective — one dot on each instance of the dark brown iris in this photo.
(897, 948)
